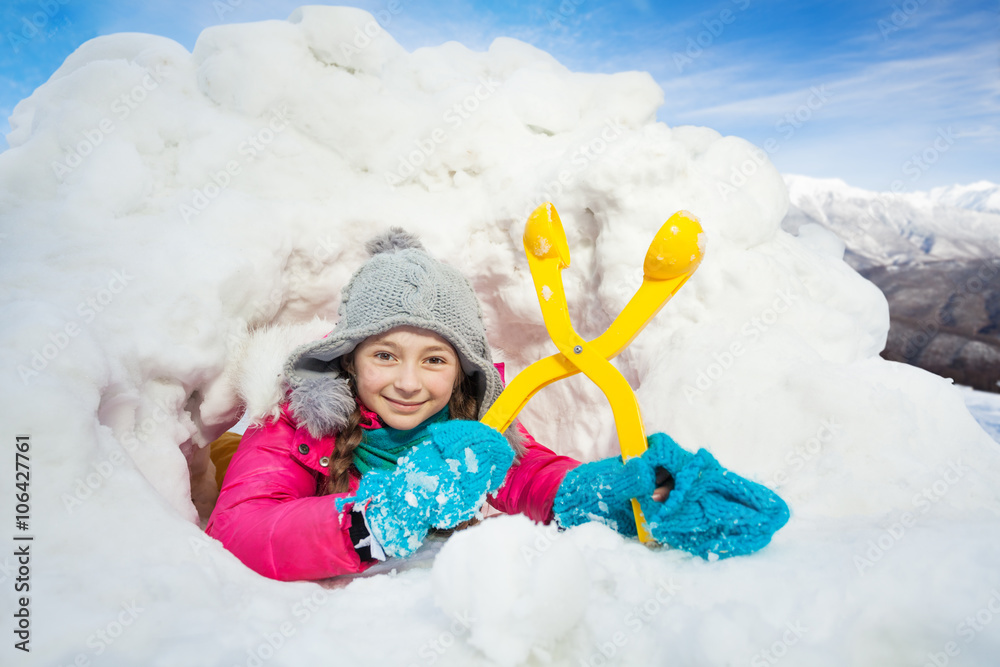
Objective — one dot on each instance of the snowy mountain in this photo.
(981, 196)
(937, 262)
(157, 203)
(945, 318)
(883, 228)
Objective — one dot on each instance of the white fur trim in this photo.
(257, 365)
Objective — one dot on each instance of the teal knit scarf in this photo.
(381, 448)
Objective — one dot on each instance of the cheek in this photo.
(370, 381)
(441, 385)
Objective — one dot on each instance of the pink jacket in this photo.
(269, 516)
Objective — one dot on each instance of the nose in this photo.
(408, 379)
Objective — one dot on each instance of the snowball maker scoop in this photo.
(673, 256)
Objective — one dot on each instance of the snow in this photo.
(985, 408)
(471, 463)
(156, 203)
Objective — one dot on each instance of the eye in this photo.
(383, 356)
(437, 360)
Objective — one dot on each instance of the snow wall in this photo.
(156, 203)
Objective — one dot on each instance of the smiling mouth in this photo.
(406, 407)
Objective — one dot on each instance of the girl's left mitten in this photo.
(602, 491)
(710, 511)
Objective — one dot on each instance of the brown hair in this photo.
(462, 405)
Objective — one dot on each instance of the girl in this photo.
(377, 441)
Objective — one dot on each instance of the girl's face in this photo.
(406, 375)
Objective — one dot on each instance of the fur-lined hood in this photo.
(256, 368)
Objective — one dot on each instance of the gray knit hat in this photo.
(399, 285)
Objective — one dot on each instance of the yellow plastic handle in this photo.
(666, 255)
(672, 257)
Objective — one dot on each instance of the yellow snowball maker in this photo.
(672, 257)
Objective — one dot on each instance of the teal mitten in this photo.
(602, 491)
(710, 510)
(477, 457)
(439, 483)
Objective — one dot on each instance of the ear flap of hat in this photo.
(322, 403)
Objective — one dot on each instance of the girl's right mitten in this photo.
(438, 484)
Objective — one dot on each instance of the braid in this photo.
(347, 440)
(343, 454)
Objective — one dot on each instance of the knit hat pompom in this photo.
(396, 238)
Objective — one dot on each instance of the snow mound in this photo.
(156, 204)
(518, 585)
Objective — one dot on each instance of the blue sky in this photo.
(858, 89)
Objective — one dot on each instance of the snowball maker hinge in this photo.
(672, 258)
